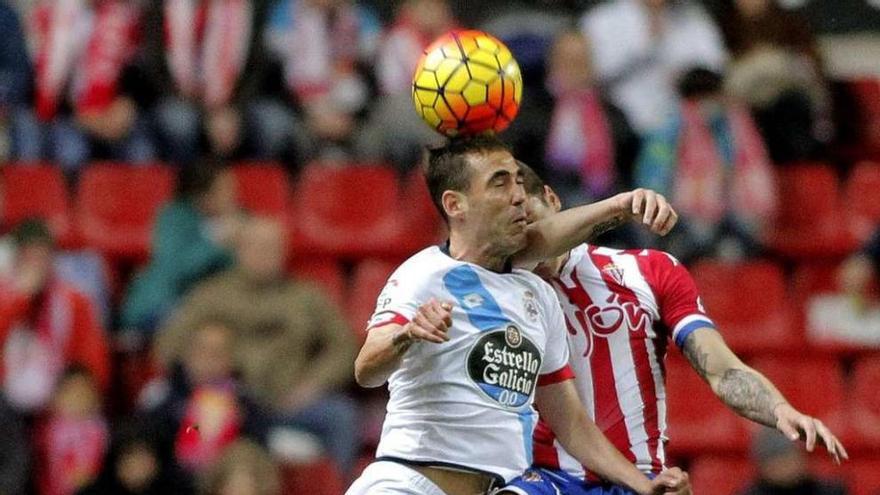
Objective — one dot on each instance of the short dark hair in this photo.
(196, 179)
(700, 81)
(33, 231)
(532, 182)
(448, 167)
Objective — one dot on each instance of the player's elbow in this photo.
(365, 375)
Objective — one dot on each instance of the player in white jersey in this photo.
(622, 307)
(466, 343)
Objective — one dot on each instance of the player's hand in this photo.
(798, 426)
(672, 480)
(650, 208)
(431, 322)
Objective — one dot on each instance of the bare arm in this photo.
(555, 235)
(750, 394)
(561, 408)
(386, 345)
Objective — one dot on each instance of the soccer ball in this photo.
(466, 83)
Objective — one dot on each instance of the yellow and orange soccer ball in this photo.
(467, 83)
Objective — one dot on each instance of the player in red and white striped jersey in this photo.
(622, 308)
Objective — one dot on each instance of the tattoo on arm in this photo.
(744, 392)
(697, 357)
(603, 227)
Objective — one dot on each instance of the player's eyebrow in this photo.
(499, 174)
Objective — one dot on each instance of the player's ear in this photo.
(454, 203)
(552, 199)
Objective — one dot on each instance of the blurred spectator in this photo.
(45, 325)
(14, 452)
(416, 25)
(323, 46)
(861, 272)
(591, 148)
(851, 316)
(710, 160)
(192, 240)
(244, 469)
(15, 76)
(782, 468)
(72, 440)
(205, 61)
(81, 48)
(641, 47)
(201, 404)
(777, 70)
(529, 30)
(136, 465)
(394, 132)
(292, 343)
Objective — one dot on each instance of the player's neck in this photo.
(479, 253)
(551, 268)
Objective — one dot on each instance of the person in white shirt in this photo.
(468, 341)
(641, 47)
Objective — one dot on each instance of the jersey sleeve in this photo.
(679, 303)
(555, 367)
(399, 299)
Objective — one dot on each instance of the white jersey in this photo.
(467, 403)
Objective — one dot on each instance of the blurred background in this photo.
(201, 199)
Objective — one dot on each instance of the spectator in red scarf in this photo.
(590, 148)
(201, 404)
(45, 325)
(136, 464)
(778, 71)
(323, 46)
(711, 161)
(73, 438)
(205, 65)
(393, 131)
(81, 49)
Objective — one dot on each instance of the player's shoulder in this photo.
(424, 267)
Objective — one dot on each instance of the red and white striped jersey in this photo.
(621, 310)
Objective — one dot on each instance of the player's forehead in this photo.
(489, 164)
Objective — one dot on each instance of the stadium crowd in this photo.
(199, 331)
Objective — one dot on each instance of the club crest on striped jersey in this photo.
(615, 272)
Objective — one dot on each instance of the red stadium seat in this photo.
(860, 198)
(317, 478)
(714, 475)
(809, 222)
(698, 421)
(813, 384)
(350, 212)
(370, 277)
(36, 190)
(864, 405)
(864, 475)
(117, 204)
(262, 188)
(326, 272)
(866, 93)
(749, 303)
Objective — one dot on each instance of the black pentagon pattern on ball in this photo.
(483, 68)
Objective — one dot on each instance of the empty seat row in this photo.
(353, 211)
(730, 475)
(699, 423)
(820, 218)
